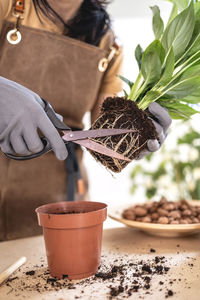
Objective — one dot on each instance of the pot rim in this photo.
(68, 221)
(38, 209)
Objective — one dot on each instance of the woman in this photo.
(56, 50)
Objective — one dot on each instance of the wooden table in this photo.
(121, 246)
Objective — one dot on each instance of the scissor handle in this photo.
(47, 148)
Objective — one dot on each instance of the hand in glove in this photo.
(162, 126)
(21, 115)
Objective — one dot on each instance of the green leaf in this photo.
(193, 98)
(188, 138)
(196, 193)
(194, 47)
(191, 72)
(157, 22)
(176, 116)
(125, 93)
(169, 69)
(149, 156)
(152, 60)
(127, 81)
(179, 171)
(133, 188)
(178, 33)
(150, 192)
(173, 14)
(178, 110)
(181, 4)
(138, 55)
(160, 171)
(194, 44)
(137, 169)
(184, 87)
(197, 10)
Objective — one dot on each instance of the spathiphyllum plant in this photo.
(170, 65)
(169, 73)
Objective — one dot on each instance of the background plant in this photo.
(175, 172)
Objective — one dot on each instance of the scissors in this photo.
(80, 137)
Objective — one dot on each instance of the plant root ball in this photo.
(121, 113)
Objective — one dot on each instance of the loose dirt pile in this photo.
(120, 276)
(123, 278)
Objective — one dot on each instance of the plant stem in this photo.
(141, 89)
(144, 103)
(185, 63)
(183, 69)
(163, 90)
(135, 87)
(179, 73)
(186, 54)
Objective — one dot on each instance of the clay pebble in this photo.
(164, 212)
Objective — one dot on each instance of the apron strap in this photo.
(18, 11)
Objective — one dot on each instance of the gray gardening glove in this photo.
(162, 126)
(21, 115)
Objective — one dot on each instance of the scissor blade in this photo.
(71, 136)
(101, 149)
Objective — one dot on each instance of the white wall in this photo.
(132, 24)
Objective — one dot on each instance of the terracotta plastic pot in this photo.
(73, 237)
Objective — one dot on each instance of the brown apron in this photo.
(65, 72)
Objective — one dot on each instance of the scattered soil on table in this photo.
(152, 250)
(121, 113)
(164, 212)
(31, 273)
(118, 278)
(122, 278)
(169, 293)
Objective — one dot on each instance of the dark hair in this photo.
(90, 23)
